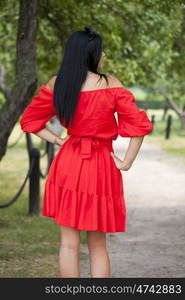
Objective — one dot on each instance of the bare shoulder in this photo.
(50, 84)
(114, 81)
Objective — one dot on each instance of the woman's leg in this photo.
(98, 254)
(69, 264)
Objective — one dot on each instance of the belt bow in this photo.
(86, 145)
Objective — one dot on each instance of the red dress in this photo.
(84, 188)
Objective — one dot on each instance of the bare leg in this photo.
(99, 259)
(69, 264)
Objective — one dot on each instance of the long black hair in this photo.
(82, 54)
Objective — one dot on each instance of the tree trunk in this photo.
(182, 119)
(179, 111)
(25, 83)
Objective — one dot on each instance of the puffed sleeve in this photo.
(38, 112)
(132, 121)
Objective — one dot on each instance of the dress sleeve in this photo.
(38, 112)
(132, 121)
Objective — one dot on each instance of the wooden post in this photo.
(50, 154)
(153, 119)
(34, 183)
(168, 127)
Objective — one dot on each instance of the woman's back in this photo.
(92, 82)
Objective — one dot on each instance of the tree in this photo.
(25, 81)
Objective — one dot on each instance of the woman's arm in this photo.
(132, 122)
(47, 134)
(130, 155)
(51, 137)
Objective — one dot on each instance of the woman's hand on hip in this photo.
(121, 164)
(60, 141)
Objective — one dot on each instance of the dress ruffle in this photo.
(86, 194)
(84, 211)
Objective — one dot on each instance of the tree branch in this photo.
(3, 88)
(174, 106)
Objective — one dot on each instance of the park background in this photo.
(144, 45)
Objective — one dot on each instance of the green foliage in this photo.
(9, 15)
(143, 39)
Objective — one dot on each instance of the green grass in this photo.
(160, 126)
(174, 146)
(28, 244)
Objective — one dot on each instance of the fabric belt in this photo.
(87, 143)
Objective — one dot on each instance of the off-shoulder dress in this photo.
(84, 188)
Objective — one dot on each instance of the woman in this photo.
(84, 189)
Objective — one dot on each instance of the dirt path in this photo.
(154, 243)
